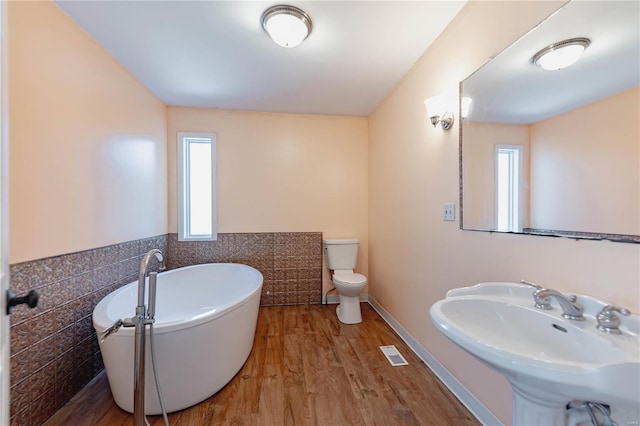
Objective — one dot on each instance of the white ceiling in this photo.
(510, 89)
(215, 53)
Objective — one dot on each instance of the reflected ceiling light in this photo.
(562, 54)
(287, 26)
(437, 114)
(465, 105)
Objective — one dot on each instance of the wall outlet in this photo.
(449, 212)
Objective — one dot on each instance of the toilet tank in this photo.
(341, 254)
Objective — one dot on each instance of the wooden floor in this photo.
(306, 368)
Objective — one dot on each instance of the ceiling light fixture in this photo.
(562, 54)
(287, 26)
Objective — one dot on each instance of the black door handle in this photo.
(31, 299)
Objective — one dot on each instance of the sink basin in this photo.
(549, 360)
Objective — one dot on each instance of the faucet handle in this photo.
(542, 299)
(609, 309)
(113, 328)
(540, 296)
(608, 321)
(623, 311)
(529, 283)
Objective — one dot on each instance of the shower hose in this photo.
(155, 377)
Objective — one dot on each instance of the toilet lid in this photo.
(350, 279)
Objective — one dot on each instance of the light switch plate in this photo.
(449, 212)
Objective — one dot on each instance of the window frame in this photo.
(515, 215)
(183, 139)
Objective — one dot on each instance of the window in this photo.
(197, 187)
(508, 188)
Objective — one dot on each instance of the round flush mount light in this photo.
(562, 54)
(287, 26)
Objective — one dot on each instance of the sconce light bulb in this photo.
(465, 106)
(433, 106)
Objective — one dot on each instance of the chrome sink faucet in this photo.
(608, 321)
(571, 309)
(542, 298)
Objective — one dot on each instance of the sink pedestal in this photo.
(539, 408)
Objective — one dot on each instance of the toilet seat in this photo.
(349, 279)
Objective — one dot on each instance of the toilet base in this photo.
(348, 310)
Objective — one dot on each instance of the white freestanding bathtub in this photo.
(205, 325)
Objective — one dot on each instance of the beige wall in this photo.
(88, 168)
(585, 174)
(415, 257)
(283, 172)
(479, 153)
(87, 141)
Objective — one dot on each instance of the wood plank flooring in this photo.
(306, 368)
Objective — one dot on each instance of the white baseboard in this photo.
(334, 299)
(481, 412)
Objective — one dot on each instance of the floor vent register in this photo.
(393, 355)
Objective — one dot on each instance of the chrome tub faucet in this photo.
(140, 310)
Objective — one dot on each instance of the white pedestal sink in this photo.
(549, 360)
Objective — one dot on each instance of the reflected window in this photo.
(508, 188)
(196, 186)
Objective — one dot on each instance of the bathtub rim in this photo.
(100, 320)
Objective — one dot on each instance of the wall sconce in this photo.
(437, 113)
(465, 105)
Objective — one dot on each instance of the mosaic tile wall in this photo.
(54, 349)
(291, 262)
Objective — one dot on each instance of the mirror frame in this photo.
(577, 235)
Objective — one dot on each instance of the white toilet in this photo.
(341, 256)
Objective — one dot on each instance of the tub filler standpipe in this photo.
(144, 316)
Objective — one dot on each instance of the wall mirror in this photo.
(557, 152)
